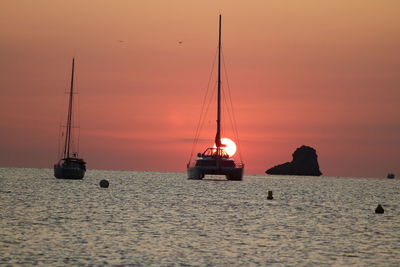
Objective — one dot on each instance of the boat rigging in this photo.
(215, 160)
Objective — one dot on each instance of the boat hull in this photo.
(198, 172)
(68, 172)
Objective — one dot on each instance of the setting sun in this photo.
(229, 146)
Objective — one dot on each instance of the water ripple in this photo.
(163, 219)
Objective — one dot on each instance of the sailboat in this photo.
(70, 166)
(215, 160)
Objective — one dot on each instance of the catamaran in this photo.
(216, 160)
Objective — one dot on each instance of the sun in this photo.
(230, 146)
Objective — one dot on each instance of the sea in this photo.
(164, 219)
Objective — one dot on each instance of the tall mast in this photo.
(69, 117)
(218, 135)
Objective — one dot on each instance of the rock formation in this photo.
(304, 162)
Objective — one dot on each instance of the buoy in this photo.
(379, 209)
(104, 183)
(270, 195)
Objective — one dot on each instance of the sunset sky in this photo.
(319, 73)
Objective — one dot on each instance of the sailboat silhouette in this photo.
(70, 166)
(216, 160)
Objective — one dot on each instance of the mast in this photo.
(69, 116)
(218, 135)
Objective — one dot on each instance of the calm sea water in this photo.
(163, 219)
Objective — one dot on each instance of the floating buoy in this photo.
(379, 209)
(104, 184)
(391, 176)
(270, 195)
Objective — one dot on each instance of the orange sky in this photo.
(319, 73)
